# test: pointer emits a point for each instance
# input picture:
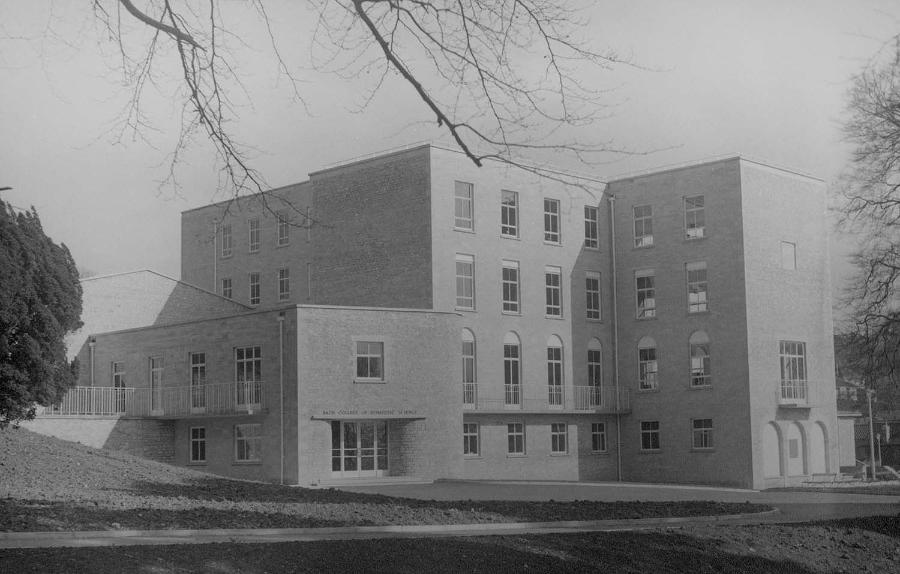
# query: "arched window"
(555, 370)
(595, 372)
(647, 366)
(700, 373)
(512, 369)
(469, 376)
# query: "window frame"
(705, 434)
(598, 435)
(701, 305)
(591, 227)
(227, 249)
(645, 294)
(255, 289)
(794, 369)
(593, 312)
(465, 281)
(644, 222)
(469, 353)
(463, 222)
(471, 440)
(227, 288)
(251, 440)
(559, 439)
(553, 294)
(700, 377)
(552, 221)
(284, 284)
(648, 356)
(515, 439)
(555, 373)
(509, 287)
(368, 356)
(283, 229)
(691, 215)
(509, 226)
(793, 255)
(253, 235)
(197, 454)
(512, 369)
(650, 430)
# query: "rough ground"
(50, 484)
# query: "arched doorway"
(796, 451)
(771, 451)
(818, 458)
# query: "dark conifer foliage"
(40, 301)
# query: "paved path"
(791, 507)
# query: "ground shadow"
(886, 525)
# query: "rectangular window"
(598, 437)
(369, 361)
(515, 438)
(591, 227)
(551, 221)
(198, 381)
(645, 286)
(701, 433)
(553, 289)
(510, 285)
(464, 206)
(254, 288)
(471, 439)
(647, 368)
(253, 227)
(465, 281)
(643, 226)
(198, 444)
(118, 375)
(649, 435)
(226, 287)
(559, 438)
(284, 284)
(700, 368)
(511, 373)
(248, 443)
(788, 255)
(694, 217)
(555, 375)
(470, 390)
(227, 244)
(156, 382)
(592, 292)
(595, 369)
(792, 356)
(284, 229)
(248, 376)
(697, 289)
(509, 213)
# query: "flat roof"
(708, 161)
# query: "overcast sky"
(766, 79)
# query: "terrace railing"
(589, 399)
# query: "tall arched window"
(595, 372)
(469, 375)
(555, 370)
(700, 373)
(647, 366)
(512, 369)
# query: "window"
(469, 379)
(694, 217)
(226, 287)
(118, 375)
(198, 381)
(254, 288)
(696, 287)
(509, 213)
(284, 284)
(515, 438)
(463, 206)
(226, 240)
(788, 255)
(512, 369)
(248, 443)
(553, 289)
(284, 229)
(792, 355)
(595, 372)
(645, 286)
(559, 438)
(598, 437)
(253, 226)
(248, 376)
(471, 439)
(551, 221)
(591, 227)
(700, 375)
(156, 381)
(554, 371)
(465, 281)
(649, 435)
(198, 444)
(592, 292)
(510, 286)
(369, 361)
(647, 366)
(701, 434)
(643, 226)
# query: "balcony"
(795, 394)
(577, 399)
(238, 398)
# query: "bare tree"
(508, 80)
(871, 208)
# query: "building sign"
(369, 413)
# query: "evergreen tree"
(40, 301)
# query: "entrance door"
(359, 448)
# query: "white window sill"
(559, 454)
(369, 381)
(700, 387)
(247, 462)
(651, 451)
(557, 317)
(466, 309)
(553, 243)
(600, 452)
(703, 450)
(513, 313)
(514, 237)
(515, 455)
(464, 230)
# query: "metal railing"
(470, 395)
(794, 393)
(241, 397)
(594, 399)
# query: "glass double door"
(359, 448)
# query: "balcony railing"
(796, 394)
(588, 399)
(242, 397)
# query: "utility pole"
(869, 393)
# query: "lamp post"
(869, 393)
